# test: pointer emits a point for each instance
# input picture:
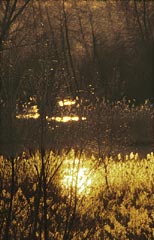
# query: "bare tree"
(10, 11)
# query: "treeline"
(69, 47)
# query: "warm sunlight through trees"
(76, 120)
(77, 193)
(77, 176)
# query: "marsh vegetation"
(76, 120)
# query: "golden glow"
(76, 177)
(32, 112)
(75, 118)
(85, 178)
(83, 118)
(66, 102)
(64, 119)
(27, 116)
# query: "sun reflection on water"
(32, 112)
(66, 102)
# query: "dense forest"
(77, 84)
(88, 51)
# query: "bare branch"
(11, 13)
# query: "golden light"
(83, 118)
(32, 112)
(77, 178)
(75, 118)
(64, 119)
(66, 102)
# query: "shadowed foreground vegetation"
(110, 199)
